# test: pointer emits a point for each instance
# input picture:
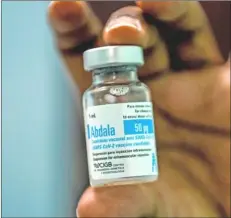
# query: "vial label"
(121, 140)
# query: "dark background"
(218, 13)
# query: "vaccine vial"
(118, 116)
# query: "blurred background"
(44, 168)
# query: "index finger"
(186, 15)
(76, 28)
(186, 31)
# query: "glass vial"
(118, 116)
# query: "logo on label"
(101, 131)
(103, 165)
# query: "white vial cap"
(112, 56)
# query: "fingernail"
(123, 21)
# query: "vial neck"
(115, 75)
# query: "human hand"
(190, 85)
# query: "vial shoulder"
(139, 86)
(144, 86)
(116, 93)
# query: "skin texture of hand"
(190, 85)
